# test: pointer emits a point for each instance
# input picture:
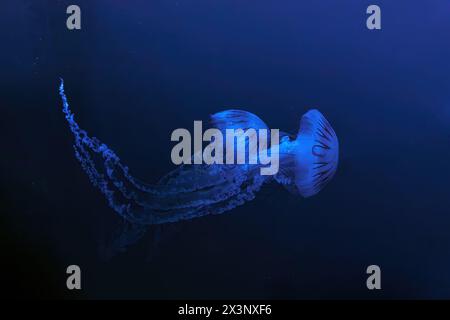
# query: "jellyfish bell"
(308, 160)
(317, 153)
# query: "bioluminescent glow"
(307, 162)
(239, 145)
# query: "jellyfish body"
(307, 164)
(310, 160)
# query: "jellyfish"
(307, 162)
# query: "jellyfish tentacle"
(227, 184)
(246, 193)
(184, 193)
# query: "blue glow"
(307, 164)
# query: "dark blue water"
(139, 69)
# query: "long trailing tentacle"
(187, 192)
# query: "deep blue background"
(139, 69)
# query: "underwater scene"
(198, 149)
